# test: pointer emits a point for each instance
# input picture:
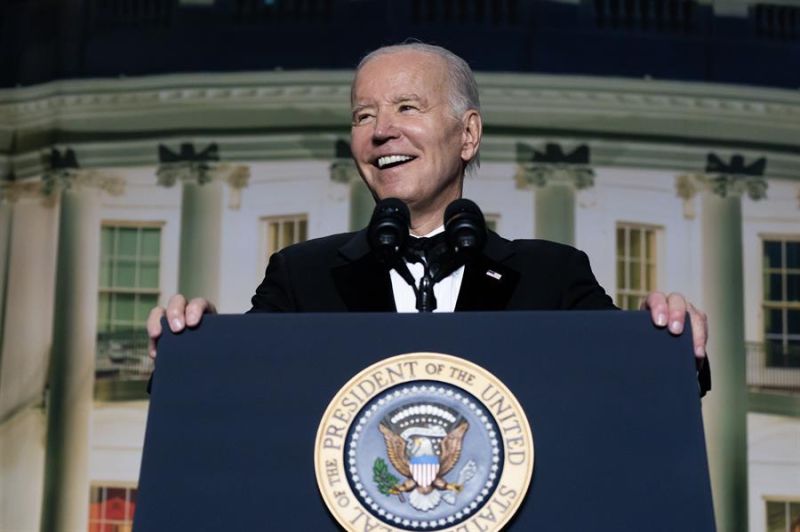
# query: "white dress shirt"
(446, 290)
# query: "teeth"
(392, 159)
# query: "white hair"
(463, 89)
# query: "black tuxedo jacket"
(339, 274)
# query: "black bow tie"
(427, 249)
(435, 253)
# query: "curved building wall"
(638, 154)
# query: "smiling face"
(406, 141)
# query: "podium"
(612, 403)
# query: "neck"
(421, 225)
(426, 218)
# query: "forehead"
(385, 77)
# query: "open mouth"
(390, 161)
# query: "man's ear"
(471, 134)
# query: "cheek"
(359, 141)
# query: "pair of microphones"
(388, 235)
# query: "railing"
(131, 13)
(659, 15)
(250, 11)
(777, 22)
(123, 356)
(764, 370)
(496, 12)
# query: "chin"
(398, 192)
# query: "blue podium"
(612, 403)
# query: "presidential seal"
(424, 441)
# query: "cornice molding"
(320, 146)
(236, 176)
(531, 175)
(722, 185)
(11, 192)
(57, 181)
(687, 186)
(301, 114)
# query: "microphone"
(387, 232)
(465, 228)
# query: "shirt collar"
(435, 232)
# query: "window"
(282, 231)
(111, 508)
(782, 302)
(636, 264)
(783, 516)
(130, 259)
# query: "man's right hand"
(180, 315)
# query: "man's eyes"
(362, 117)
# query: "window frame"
(784, 304)
(101, 522)
(114, 324)
(623, 294)
(787, 503)
(267, 246)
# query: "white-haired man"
(416, 131)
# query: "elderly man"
(416, 130)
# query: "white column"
(554, 187)
(202, 208)
(5, 237)
(72, 364)
(725, 407)
(30, 225)
(361, 201)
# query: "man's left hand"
(670, 311)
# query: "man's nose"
(385, 128)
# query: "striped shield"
(424, 469)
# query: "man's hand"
(670, 311)
(180, 315)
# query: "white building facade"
(127, 191)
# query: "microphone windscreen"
(462, 205)
(387, 232)
(392, 208)
(464, 226)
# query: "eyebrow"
(407, 97)
(411, 97)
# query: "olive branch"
(384, 479)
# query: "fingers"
(667, 310)
(670, 310)
(176, 313)
(173, 312)
(699, 331)
(195, 310)
(656, 303)
(154, 329)
(677, 312)
(180, 315)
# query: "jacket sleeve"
(581, 291)
(275, 294)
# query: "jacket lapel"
(488, 284)
(363, 282)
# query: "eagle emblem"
(423, 443)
